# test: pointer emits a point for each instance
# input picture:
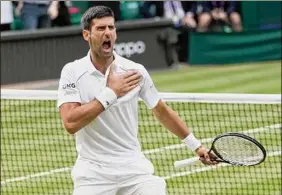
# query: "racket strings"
(238, 150)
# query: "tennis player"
(98, 100)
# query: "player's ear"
(86, 34)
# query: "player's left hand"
(206, 157)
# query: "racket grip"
(186, 162)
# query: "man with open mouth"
(98, 101)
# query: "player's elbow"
(71, 128)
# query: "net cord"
(168, 97)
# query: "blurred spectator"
(169, 38)
(157, 6)
(63, 17)
(174, 10)
(220, 13)
(37, 14)
(7, 17)
(182, 13)
(189, 19)
(114, 5)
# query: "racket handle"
(186, 162)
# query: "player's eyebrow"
(104, 25)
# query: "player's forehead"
(104, 21)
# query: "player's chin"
(106, 53)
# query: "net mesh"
(37, 154)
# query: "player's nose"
(107, 36)
(107, 31)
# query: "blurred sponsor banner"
(142, 46)
(40, 55)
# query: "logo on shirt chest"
(68, 86)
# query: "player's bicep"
(65, 111)
(160, 109)
(66, 108)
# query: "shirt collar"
(91, 68)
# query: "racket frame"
(221, 159)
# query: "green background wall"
(224, 48)
(261, 14)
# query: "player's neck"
(101, 64)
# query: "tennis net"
(37, 154)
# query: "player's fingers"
(205, 159)
(212, 157)
(129, 74)
(129, 88)
(207, 156)
(133, 77)
(134, 82)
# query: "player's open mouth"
(106, 45)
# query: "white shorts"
(132, 179)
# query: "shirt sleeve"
(148, 93)
(68, 89)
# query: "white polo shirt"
(112, 137)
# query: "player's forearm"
(81, 116)
(171, 120)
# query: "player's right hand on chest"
(122, 83)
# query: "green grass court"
(261, 77)
(37, 154)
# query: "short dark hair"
(95, 12)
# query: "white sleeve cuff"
(107, 97)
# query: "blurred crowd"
(201, 16)
(35, 14)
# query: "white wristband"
(107, 97)
(191, 142)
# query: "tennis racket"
(233, 148)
